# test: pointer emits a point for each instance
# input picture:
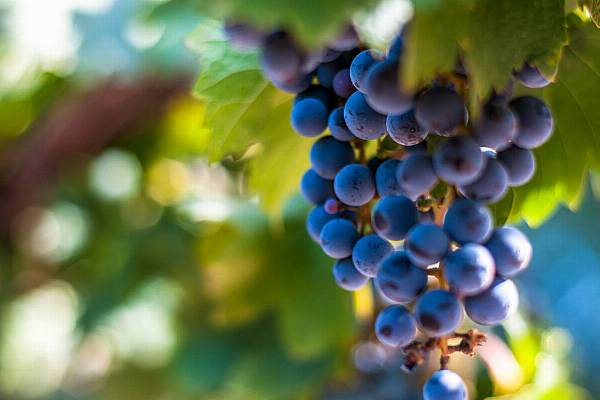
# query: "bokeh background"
(131, 267)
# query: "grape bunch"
(401, 185)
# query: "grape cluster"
(413, 216)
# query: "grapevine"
(413, 216)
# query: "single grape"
(440, 110)
(383, 89)
(364, 122)
(368, 253)
(354, 185)
(385, 178)
(338, 237)
(530, 76)
(395, 50)
(280, 57)
(243, 37)
(399, 280)
(326, 73)
(511, 250)
(458, 160)
(361, 65)
(438, 313)
(393, 217)
(296, 85)
(415, 175)
(426, 244)
(329, 155)
(342, 85)
(495, 304)
(316, 220)
(404, 129)
(469, 270)
(338, 127)
(534, 122)
(331, 206)
(347, 40)
(519, 164)
(495, 127)
(309, 117)
(490, 186)
(467, 221)
(317, 92)
(445, 385)
(395, 326)
(347, 276)
(314, 188)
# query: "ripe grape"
(317, 92)
(511, 250)
(445, 385)
(342, 85)
(426, 244)
(495, 127)
(364, 122)
(338, 237)
(331, 206)
(385, 178)
(519, 164)
(438, 313)
(495, 304)
(326, 72)
(395, 326)
(440, 110)
(309, 117)
(347, 276)
(393, 217)
(458, 160)
(316, 220)
(243, 37)
(361, 65)
(337, 125)
(399, 280)
(354, 185)
(534, 122)
(280, 58)
(530, 76)
(467, 221)
(368, 253)
(490, 186)
(314, 188)
(328, 155)
(347, 40)
(415, 175)
(383, 89)
(404, 129)
(469, 270)
(296, 85)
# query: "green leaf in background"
(563, 162)
(593, 7)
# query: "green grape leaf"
(574, 148)
(593, 7)
(312, 23)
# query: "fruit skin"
(404, 129)
(338, 237)
(395, 326)
(495, 304)
(347, 276)
(440, 110)
(445, 385)
(534, 121)
(383, 89)
(415, 175)
(309, 117)
(438, 313)
(329, 155)
(495, 127)
(426, 244)
(491, 185)
(337, 125)
(364, 122)
(530, 76)
(511, 250)
(467, 221)
(361, 65)
(314, 188)
(296, 85)
(280, 58)
(317, 92)
(458, 160)
(393, 216)
(399, 280)
(368, 253)
(385, 178)
(342, 85)
(469, 270)
(316, 220)
(354, 185)
(519, 164)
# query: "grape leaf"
(593, 7)
(563, 162)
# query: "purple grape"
(399, 280)
(440, 110)
(534, 122)
(458, 160)
(519, 164)
(347, 40)
(467, 221)
(490, 186)
(342, 85)
(354, 185)
(495, 127)
(329, 155)
(438, 313)
(393, 217)
(361, 65)
(426, 244)
(309, 117)
(415, 175)
(281, 59)
(395, 326)
(385, 178)
(338, 127)
(314, 188)
(242, 36)
(404, 129)
(469, 270)
(495, 304)
(297, 85)
(316, 220)
(364, 122)
(347, 276)
(383, 89)
(368, 253)
(317, 92)
(511, 250)
(530, 76)
(338, 237)
(444, 385)
(331, 206)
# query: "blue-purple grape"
(467, 221)
(314, 188)
(445, 385)
(404, 129)
(383, 90)
(530, 76)
(511, 250)
(490, 186)
(368, 253)
(331, 206)
(329, 155)
(395, 326)
(316, 220)
(296, 85)
(337, 125)
(393, 217)
(317, 92)
(438, 313)
(399, 280)
(458, 160)
(242, 36)
(495, 304)
(469, 270)
(534, 121)
(309, 117)
(338, 237)
(415, 175)
(495, 127)
(519, 164)
(347, 276)
(342, 85)
(281, 59)
(440, 110)
(385, 178)
(364, 122)
(361, 65)
(354, 185)
(426, 244)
